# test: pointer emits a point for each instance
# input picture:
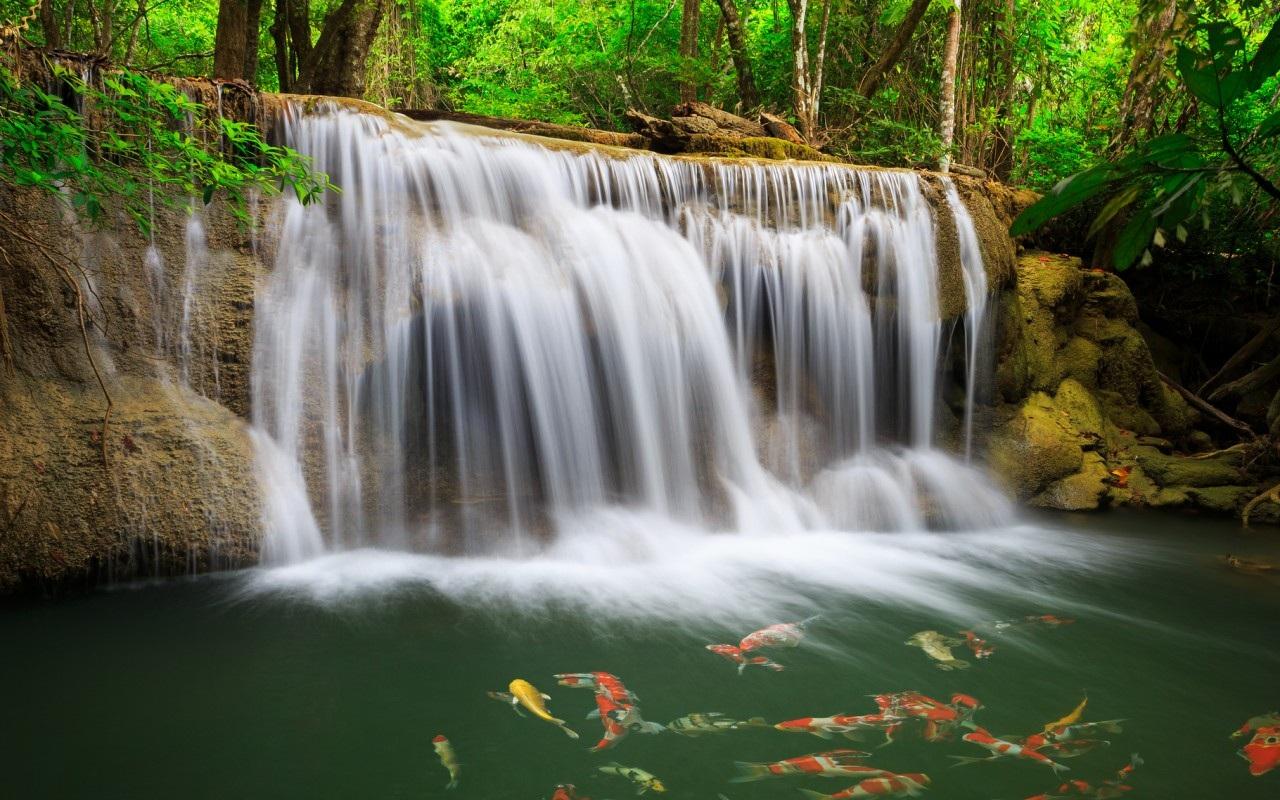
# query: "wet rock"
(1172, 470)
(1035, 446)
(1082, 491)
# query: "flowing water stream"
(522, 411)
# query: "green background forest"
(1042, 90)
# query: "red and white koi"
(977, 645)
(1107, 790)
(831, 764)
(736, 655)
(784, 634)
(567, 791)
(851, 726)
(616, 706)
(1002, 748)
(909, 784)
(1263, 750)
(938, 719)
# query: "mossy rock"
(1172, 470)
(1082, 491)
(1109, 295)
(1125, 415)
(1221, 499)
(1079, 361)
(1035, 446)
(1052, 282)
(1081, 408)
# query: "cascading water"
(484, 346)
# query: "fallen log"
(572, 133)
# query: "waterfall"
(482, 342)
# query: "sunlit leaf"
(1068, 194)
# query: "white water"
(484, 347)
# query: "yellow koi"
(522, 693)
(1069, 719)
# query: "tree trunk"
(253, 21)
(800, 94)
(229, 41)
(1002, 144)
(689, 50)
(49, 24)
(748, 95)
(947, 128)
(875, 76)
(338, 62)
(1153, 45)
(280, 36)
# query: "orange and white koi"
(567, 791)
(616, 706)
(938, 719)
(977, 645)
(909, 784)
(1263, 750)
(736, 655)
(1002, 748)
(831, 764)
(1107, 790)
(448, 758)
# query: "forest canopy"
(1026, 92)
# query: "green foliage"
(134, 141)
(1166, 182)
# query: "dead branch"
(1254, 380)
(1206, 408)
(1242, 355)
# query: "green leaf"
(1270, 126)
(208, 193)
(1116, 204)
(1225, 40)
(1069, 193)
(1134, 239)
(1266, 62)
(1202, 82)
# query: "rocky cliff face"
(1084, 418)
(172, 489)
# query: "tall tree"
(806, 77)
(748, 94)
(235, 44)
(874, 77)
(689, 49)
(1153, 46)
(950, 54)
(338, 62)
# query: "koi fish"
(1049, 620)
(910, 784)
(735, 654)
(938, 718)
(977, 645)
(1070, 719)
(711, 722)
(644, 781)
(1253, 723)
(1248, 566)
(832, 764)
(567, 791)
(1002, 748)
(847, 725)
(785, 634)
(1084, 730)
(523, 693)
(1263, 750)
(444, 750)
(1107, 790)
(616, 706)
(938, 647)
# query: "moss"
(1081, 408)
(1126, 415)
(1221, 499)
(1035, 446)
(1051, 281)
(1172, 470)
(1082, 491)
(1079, 361)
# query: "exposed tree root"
(1272, 494)
(14, 229)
